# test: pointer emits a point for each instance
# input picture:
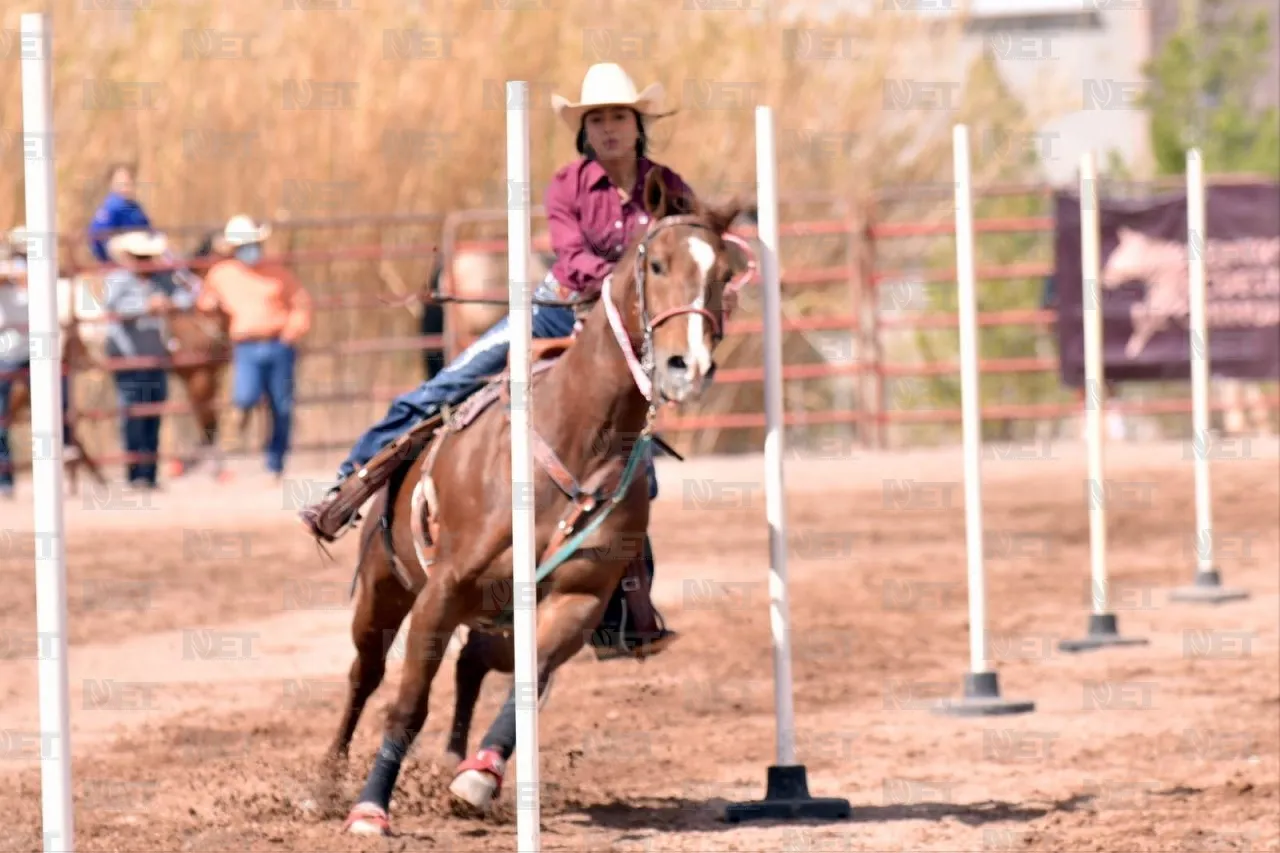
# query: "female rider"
(594, 206)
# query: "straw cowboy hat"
(606, 85)
(141, 244)
(241, 230)
(16, 240)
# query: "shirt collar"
(597, 177)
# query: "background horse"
(74, 356)
(201, 347)
(684, 268)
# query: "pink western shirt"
(590, 226)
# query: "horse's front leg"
(564, 622)
(436, 614)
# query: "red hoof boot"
(479, 779)
(367, 819)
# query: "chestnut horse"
(201, 348)
(664, 301)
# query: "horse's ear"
(655, 194)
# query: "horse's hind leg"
(482, 654)
(563, 625)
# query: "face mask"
(249, 254)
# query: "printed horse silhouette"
(1162, 265)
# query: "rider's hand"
(159, 303)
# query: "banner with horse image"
(1145, 285)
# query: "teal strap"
(628, 474)
(568, 548)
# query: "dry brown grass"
(397, 106)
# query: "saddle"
(356, 490)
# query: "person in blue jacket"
(119, 210)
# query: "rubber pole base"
(1102, 633)
(982, 699)
(787, 798)
(1207, 588)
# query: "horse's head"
(680, 268)
(1129, 260)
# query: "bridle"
(642, 369)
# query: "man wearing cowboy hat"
(140, 301)
(594, 208)
(15, 349)
(270, 311)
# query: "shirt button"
(618, 224)
(644, 220)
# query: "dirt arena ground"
(1168, 747)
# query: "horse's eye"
(656, 267)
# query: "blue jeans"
(267, 367)
(6, 389)
(141, 433)
(466, 375)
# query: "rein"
(642, 373)
(642, 368)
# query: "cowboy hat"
(141, 244)
(241, 230)
(17, 239)
(606, 85)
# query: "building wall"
(1084, 66)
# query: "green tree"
(993, 113)
(1203, 92)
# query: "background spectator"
(270, 312)
(119, 210)
(140, 332)
(15, 349)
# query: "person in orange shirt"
(270, 312)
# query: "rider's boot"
(632, 627)
(338, 510)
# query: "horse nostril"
(677, 363)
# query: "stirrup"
(617, 643)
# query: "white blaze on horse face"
(705, 257)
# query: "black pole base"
(1102, 633)
(787, 798)
(982, 699)
(1207, 588)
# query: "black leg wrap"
(382, 777)
(502, 734)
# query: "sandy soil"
(1172, 746)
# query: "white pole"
(774, 487)
(525, 599)
(970, 403)
(46, 430)
(1095, 388)
(1197, 245)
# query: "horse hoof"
(479, 780)
(367, 819)
(475, 788)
